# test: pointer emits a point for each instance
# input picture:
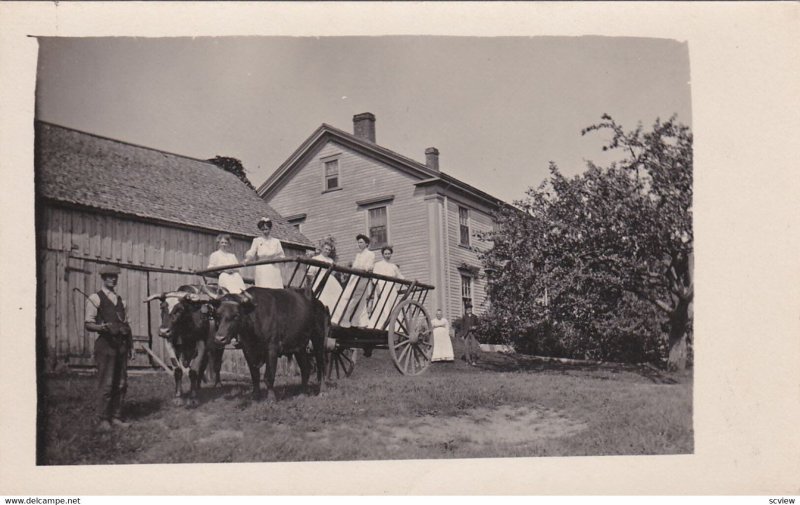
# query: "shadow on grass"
(242, 392)
(139, 409)
(521, 363)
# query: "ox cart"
(368, 311)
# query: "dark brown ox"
(188, 326)
(271, 323)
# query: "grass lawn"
(507, 406)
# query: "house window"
(463, 226)
(378, 227)
(331, 175)
(466, 290)
(296, 221)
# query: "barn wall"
(153, 258)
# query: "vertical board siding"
(61, 304)
(47, 306)
(116, 245)
(93, 248)
(78, 242)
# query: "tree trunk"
(678, 326)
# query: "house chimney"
(364, 126)
(432, 158)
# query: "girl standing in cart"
(365, 260)
(228, 279)
(266, 248)
(385, 291)
(332, 289)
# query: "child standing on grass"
(467, 333)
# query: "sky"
(499, 109)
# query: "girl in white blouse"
(228, 279)
(265, 248)
(365, 260)
(385, 291)
(332, 289)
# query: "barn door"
(133, 283)
(80, 343)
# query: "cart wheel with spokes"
(339, 362)
(410, 337)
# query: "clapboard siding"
(336, 212)
(417, 226)
(458, 255)
(75, 243)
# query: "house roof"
(87, 170)
(327, 132)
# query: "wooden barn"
(154, 214)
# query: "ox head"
(184, 311)
(230, 310)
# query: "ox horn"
(153, 297)
(176, 294)
(211, 294)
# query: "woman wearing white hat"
(266, 248)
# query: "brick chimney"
(432, 158)
(364, 126)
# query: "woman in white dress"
(228, 279)
(332, 289)
(385, 291)
(442, 346)
(365, 260)
(266, 248)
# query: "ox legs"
(214, 355)
(194, 380)
(269, 373)
(305, 368)
(255, 376)
(196, 369)
(215, 363)
(178, 374)
(319, 358)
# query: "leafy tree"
(601, 264)
(233, 166)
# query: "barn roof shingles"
(88, 170)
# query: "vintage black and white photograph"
(418, 248)
(255, 249)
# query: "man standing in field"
(105, 315)
(467, 333)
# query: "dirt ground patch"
(505, 425)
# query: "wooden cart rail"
(314, 263)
